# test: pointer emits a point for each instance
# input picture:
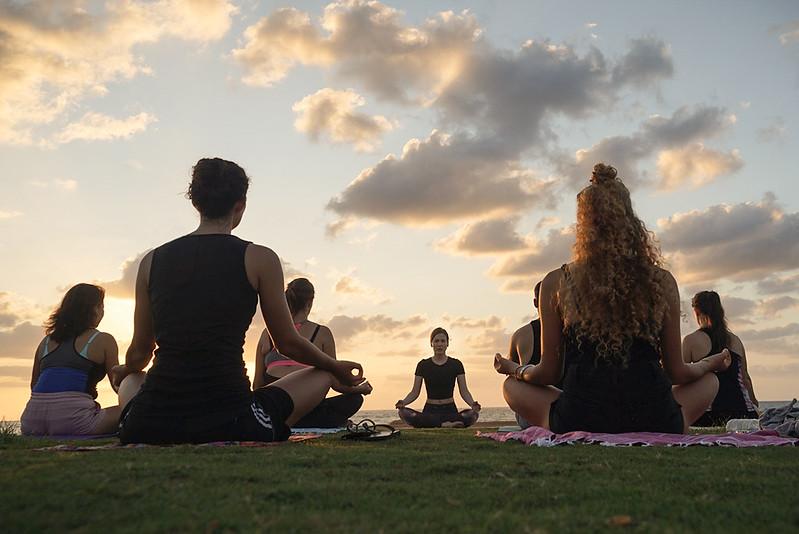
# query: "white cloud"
(55, 54)
(333, 113)
(98, 127)
(125, 286)
(9, 214)
(776, 284)
(695, 165)
(789, 32)
(351, 285)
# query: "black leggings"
(434, 415)
(332, 412)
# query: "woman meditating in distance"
(736, 396)
(439, 374)
(195, 298)
(67, 366)
(614, 313)
(270, 365)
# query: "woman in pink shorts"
(67, 366)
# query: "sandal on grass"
(367, 430)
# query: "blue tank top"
(65, 369)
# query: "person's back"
(202, 305)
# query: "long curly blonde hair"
(614, 292)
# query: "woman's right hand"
(720, 361)
(118, 374)
(504, 366)
(343, 371)
(400, 404)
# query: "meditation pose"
(525, 345)
(614, 314)
(67, 366)
(439, 373)
(195, 299)
(270, 365)
(736, 396)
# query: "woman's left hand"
(476, 406)
(504, 366)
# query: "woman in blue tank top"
(195, 299)
(68, 364)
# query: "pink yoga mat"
(541, 437)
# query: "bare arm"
(745, 370)
(327, 341)
(140, 351)
(550, 369)
(678, 370)
(111, 357)
(414, 394)
(266, 276)
(513, 353)
(260, 350)
(465, 394)
(35, 372)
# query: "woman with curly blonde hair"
(613, 313)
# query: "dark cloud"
(125, 286)
(772, 307)
(484, 237)
(774, 285)
(776, 332)
(648, 61)
(20, 341)
(345, 327)
(544, 256)
(739, 242)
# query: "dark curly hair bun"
(216, 185)
(603, 173)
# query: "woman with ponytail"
(736, 396)
(271, 365)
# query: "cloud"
(686, 126)
(20, 341)
(542, 257)
(332, 113)
(65, 184)
(9, 214)
(365, 41)
(776, 131)
(484, 237)
(788, 330)
(125, 286)
(695, 165)
(772, 307)
(490, 322)
(351, 285)
(647, 62)
(345, 327)
(98, 127)
(15, 310)
(740, 242)
(774, 284)
(56, 54)
(788, 33)
(490, 341)
(442, 179)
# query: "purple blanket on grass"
(541, 437)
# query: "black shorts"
(264, 419)
(720, 417)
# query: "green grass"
(424, 481)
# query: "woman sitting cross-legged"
(195, 299)
(614, 314)
(270, 365)
(67, 366)
(736, 396)
(439, 373)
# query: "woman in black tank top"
(195, 298)
(614, 314)
(736, 396)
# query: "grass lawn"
(422, 481)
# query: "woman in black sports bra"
(736, 396)
(270, 365)
(614, 314)
(439, 374)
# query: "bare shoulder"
(261, 253)
(552, 279)
(736, 345)
(106, 339)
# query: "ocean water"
(496, 413)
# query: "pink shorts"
(60, 414)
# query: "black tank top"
(202, 305)
(732, 395)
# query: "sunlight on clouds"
(9, 214)
(695, 166)
(96, 126)
(332, 113)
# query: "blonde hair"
(614, 291)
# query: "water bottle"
(743, 425)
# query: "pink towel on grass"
(541, 437)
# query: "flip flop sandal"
(367, 430)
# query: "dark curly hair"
(216, 185)
(76, 314)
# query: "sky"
(417, 161)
